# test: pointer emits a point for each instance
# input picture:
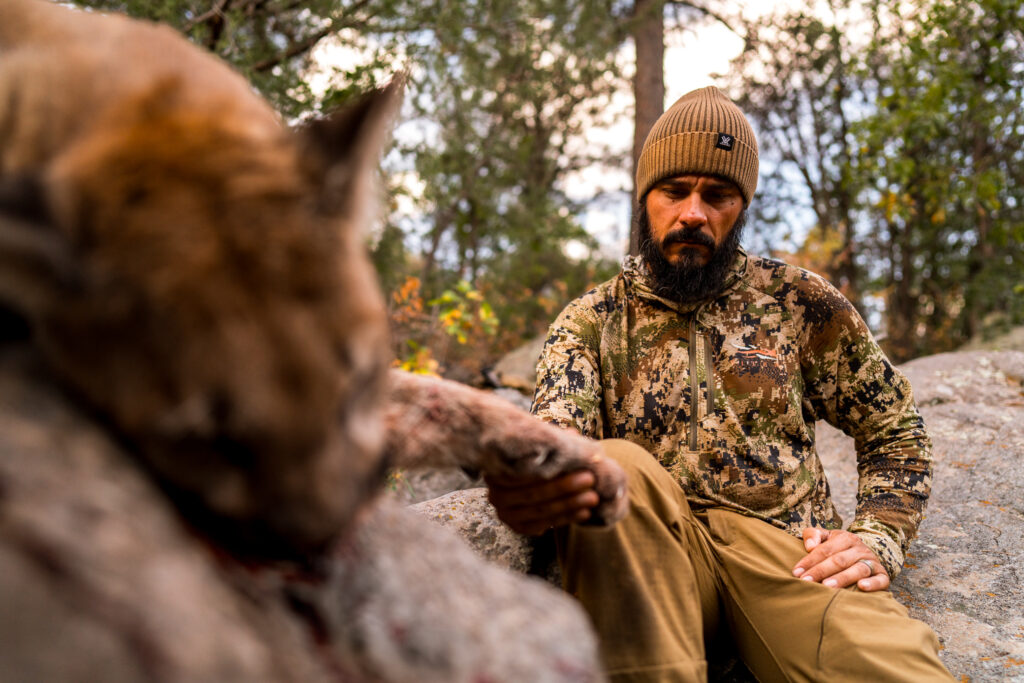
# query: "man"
(705, 369)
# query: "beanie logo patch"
(725, 141)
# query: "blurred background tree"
(943, 150)
(897, 127)
(272, 41)
(502, 93)
(890, 132)
(797, 82)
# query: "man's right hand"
(532, 506)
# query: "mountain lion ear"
(341, 151)
(35, 258)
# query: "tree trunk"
(902, 309)
(648, 81)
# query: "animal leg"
(439, 423)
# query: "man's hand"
(834, 559)
(532, 506)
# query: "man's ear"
(341, 151)
(36, 266)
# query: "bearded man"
(704, 369)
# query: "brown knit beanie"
(703, 132)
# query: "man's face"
(691, 215)
(690, 229)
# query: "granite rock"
(410, 602)
(411, 486)
(469, 514)
(518, 368)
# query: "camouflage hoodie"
(726, 392)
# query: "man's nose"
(691, 213)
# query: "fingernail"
(807, 577)
(798, 571)
(812, 543)
(831, 583)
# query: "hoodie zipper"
(694, 383)
(709, 369)
(709, 372)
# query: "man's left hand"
(834, 559)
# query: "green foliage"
(271, 41)
(944, 150)
(909, 148)
(447, 329)
(391, 258)
(501, 98)
(797, 85)
(397, 479)
(462, 309)
(504, 94)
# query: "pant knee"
(647, 478)
(871, 635)
(629, 455)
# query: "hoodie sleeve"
(568, 389)
(851, 384)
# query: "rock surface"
(518, 369)
(1010, 340)
(411, 602)
(100, 579)
(470, 515)
(420, 485)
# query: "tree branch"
(294, 50)
(705, 11)
(307, 44)
(216, 11)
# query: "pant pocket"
(719, 526)
(825, 632)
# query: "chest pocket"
(757, 378)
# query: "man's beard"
(688, 281)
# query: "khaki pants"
(660, 584)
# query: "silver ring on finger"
(870, 565)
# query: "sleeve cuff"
(878, 538)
